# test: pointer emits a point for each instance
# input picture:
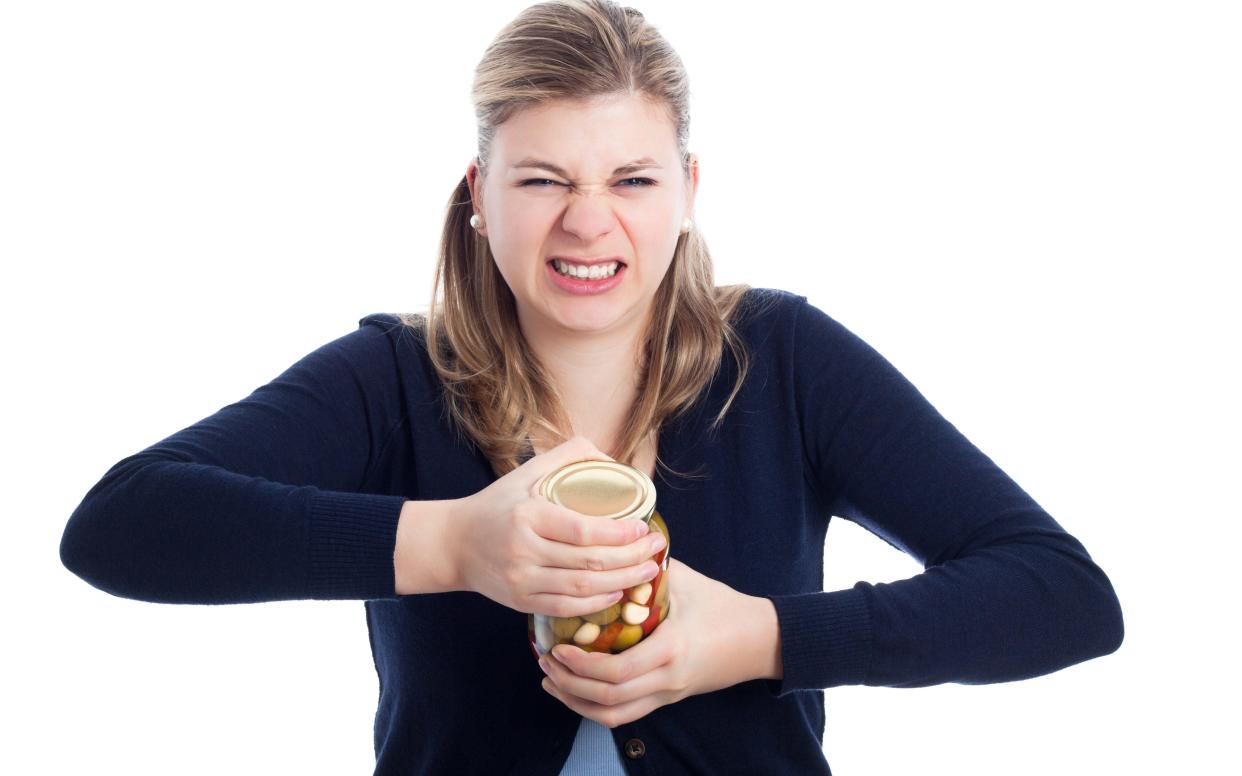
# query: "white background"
(1032, 209)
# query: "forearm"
(165, 530)
(422, 562)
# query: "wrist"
(764, 654)
(423, 558)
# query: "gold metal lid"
(603, 488)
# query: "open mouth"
(606, 277)
(584, 273)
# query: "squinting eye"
(539, 183)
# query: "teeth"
(583, 273)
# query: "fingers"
(561, 524)
(640, 660)
(581, 583)
(575, 592)
(555, 605)
(603, 693)
(600, 557)
(608, 716)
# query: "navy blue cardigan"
(294, 492)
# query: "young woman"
(575, 317)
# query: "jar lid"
(602, 488)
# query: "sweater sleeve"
(1006, 593)
(259, 501)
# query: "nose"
(588, 217)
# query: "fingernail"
(543, 663)
(642, 530)
(657, 542)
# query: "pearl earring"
(475, 220)
(686, 225)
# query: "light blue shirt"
(594, 752)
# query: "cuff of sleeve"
(352, 539)
(825, 640)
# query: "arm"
(259, 501)
(1006, 593)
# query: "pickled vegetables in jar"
(621, 492)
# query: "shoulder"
(401, 331)
(771, 301)
(763, 306)
(793, 312)
(381, 345)
(392, 323)
(787, 325)
(767, 316)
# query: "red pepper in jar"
(655, 587)
(652, 620)
(607, 635)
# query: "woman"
(397, 465)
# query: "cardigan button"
(635, 748)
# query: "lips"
(585, 287)
(588, 262)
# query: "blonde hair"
(496, 391)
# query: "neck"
(596, 374)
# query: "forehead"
(588, 134)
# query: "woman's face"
(584, 180)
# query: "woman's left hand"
(714, 637)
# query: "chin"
(588, 314)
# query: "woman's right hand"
(525, 552)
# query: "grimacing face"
(585, 179)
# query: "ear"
(692, 189)
(476, 192)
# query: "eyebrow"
(634, 166)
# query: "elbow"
(1076, 614)
(94, 545)
(1089, 594)
(1083, 610)
(82, 554)
(1090, 612)
(1108, 610)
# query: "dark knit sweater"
(294, 492)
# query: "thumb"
(572, 450)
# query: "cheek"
(524, 227)
(514, 235)
(657, 237)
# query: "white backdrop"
(1031, 209)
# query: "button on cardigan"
(294, 492)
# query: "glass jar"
(620, 492)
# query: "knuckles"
(581, 584)
(609, 696)
(515, 578)
(626, 671)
